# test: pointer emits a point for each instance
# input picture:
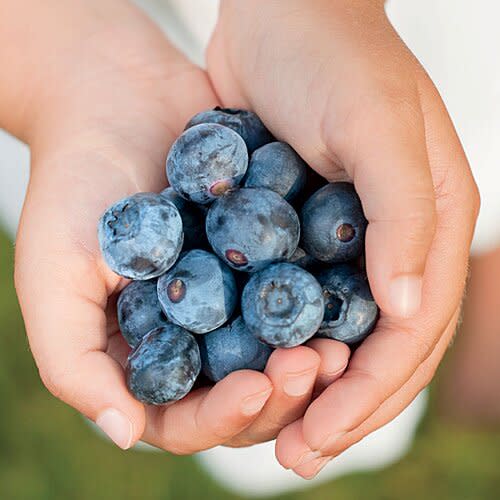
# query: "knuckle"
(222, 432)
(475, 200)
(179, 449)
(421, 345)
(52, 381)
(368, 379)
(245, 440)
(400, 104)
(62, 383)
(175, 443)
(428, 377)
(420, 221)
(239, 442)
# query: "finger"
(292, 373)
(293, 452)
(312, 469)
(118, 349)
(378, 369)
(390, 356)
(401, 214)
(402, 398)
(209, 417)
(62, 282)
(372, 128)
(67, 334)
(291, 449)
(334, 359)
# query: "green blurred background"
(48, 452)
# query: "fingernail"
(299, 384)
(406, 295)
(317, 467)
(307, 457)
(253, 404)
(117, 427)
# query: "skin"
(367, 112)
(113, 97)
(100, 115)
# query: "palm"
(110, 141)
(358, 105)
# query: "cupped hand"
(335, 81)
(113, 102)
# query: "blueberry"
(333, 223)
(251, 228)
(283, 305)
(193, 219)
(305, 261)
(164, 366)
(350, 311)
(246, 123)
(199, 293)
(139, 311)
(231, 348)
(141, 236)
(276, 166)
(206, 161)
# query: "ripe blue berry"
(139, 311)
(206, 161)
(231, 348)
(199, 293)
(246, 123)
(333, 224)
(305, 261)
(193, 219)
(251, 228)
(283, 305)
(141, 236)
(276, 166)
(350, 311)
(164, 366)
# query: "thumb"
(354, 105)
(391, 173)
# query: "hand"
(335, 81)
(101, 126)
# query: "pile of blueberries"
(219, 278)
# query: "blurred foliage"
(48, 453)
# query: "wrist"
(255, 38)
(259, 8)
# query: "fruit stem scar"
(345, 232)
(236, 257)
(218, 188)
(176, 290)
